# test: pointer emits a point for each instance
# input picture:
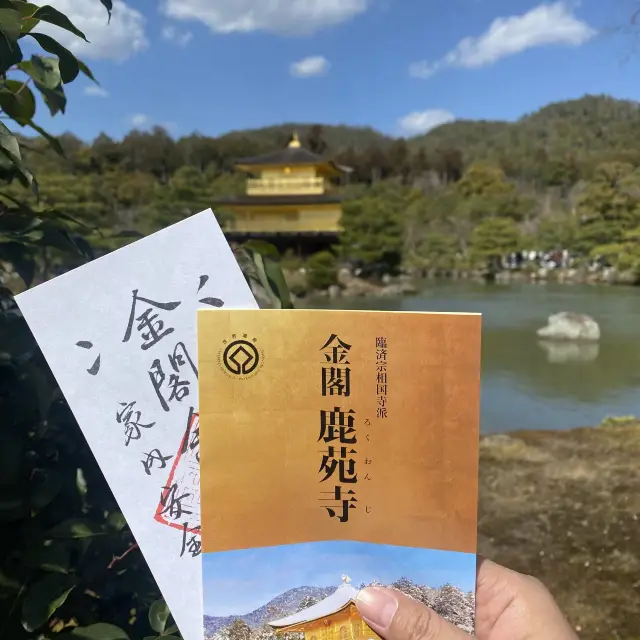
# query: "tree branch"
(117, 559)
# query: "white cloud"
(311, 66)
(96, 91)
(172, 34)
(283, 17)
(117, 40)
(139, 120)
(546, 24)
(423, 69)
(423, 121)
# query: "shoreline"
(564, 506)
(351, 286)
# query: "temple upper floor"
(293, 171)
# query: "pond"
(527, 383)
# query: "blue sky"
(401, 66)
(238, 582)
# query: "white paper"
(105, 358)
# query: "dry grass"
(565, 507)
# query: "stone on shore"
(354, 286)
(570, 326)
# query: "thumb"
(394, 616)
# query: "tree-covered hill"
(463, 195)
(336, 137)
(474, 136)
(592, 126)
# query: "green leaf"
(14, 222)
(45, 490)
(52, 140)
(270, 274)
(58, 237)
(171, 630)
(108, 5)
(10, 157)
(116, 520)
(86, 71)
(53, 556)
(53, 16)
(26, 9)
(69, 66)
(277, 283)
(81, 483)
(9, 145)
(44, 70)
(43, 598)
(10, 53)
(17, 101)
(9, 584)
(12, 509)
(76, 528)
(10, 24)
(262, 247)
(19, 256)
(46, 75)
(100, 631)
(28, 25)
(55, 99)
(158, 615)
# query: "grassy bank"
(565, 507)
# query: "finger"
(394, 616)
(511, 598)
(489, 571)
(492, 578)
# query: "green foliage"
(71, 568)
(492, 239)
(158, 615)
(260, 264)
(609, 206)
(556, 232)
(587, 131)
(624, 254)
(322, 270)
(484, 191)
(373, 230)
(436, 251)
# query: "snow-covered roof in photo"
(337, 601)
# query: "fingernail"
(377, 606)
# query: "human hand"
(509, 606)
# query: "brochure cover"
(338, 449)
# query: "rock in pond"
(570, 326)
(565, 351)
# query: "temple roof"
(344, 595)
(293, 154)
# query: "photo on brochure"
(308, 591)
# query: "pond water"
(529, 384)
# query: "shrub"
(322, 270)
